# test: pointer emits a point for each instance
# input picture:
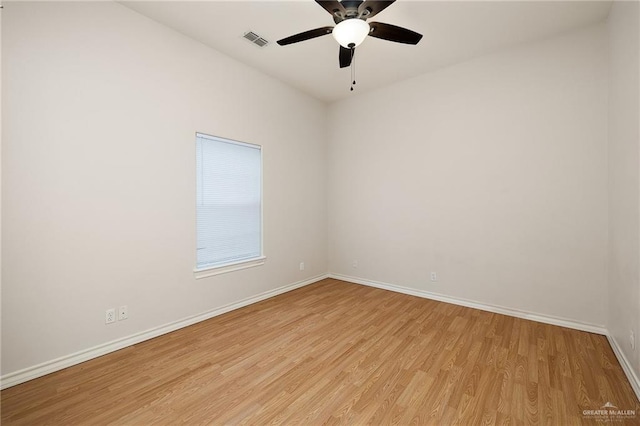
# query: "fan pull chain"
(353, 70)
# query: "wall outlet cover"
(110, 316)
(123, 313)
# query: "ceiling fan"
(352, 27)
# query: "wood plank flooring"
(338, 353)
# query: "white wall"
(493, 173)
(100, 106)
(624, 177)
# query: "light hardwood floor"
(335, 352)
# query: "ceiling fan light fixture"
(351, 32)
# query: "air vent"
(255, 39)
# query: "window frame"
(208, 271)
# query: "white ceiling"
(453, 31)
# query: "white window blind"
(229, 201)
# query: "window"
(228, 204)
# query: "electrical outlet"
(123, 313)
(632, 339)
(302, 266)
(355, 264)
(434, 277)
(110, 316)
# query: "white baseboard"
(518, 313)
(626, 365)
(547, 319)
(48, 367)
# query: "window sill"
(229, 267)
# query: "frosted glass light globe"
(351, 32)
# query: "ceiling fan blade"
(373, 7)
(393, 33)
(332, 6)
(345, 57)
(305, 35)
